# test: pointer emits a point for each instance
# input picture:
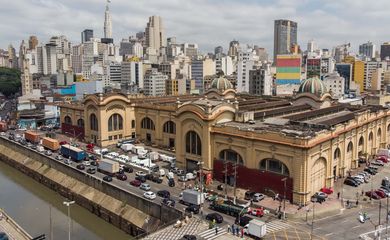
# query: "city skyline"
(316, 21)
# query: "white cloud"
(207, 22)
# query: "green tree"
(9, 81)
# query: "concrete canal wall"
(121, 208)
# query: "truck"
(154, 156)
(3, 126)
(191, 197)
(127, 147)
(50, 143)
(74, 153)
(256, 228)
(137, 149)
(108, 167)
(383, 152)
(31, 137)
(228, 207)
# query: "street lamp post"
(313, 200)
(284, 198)
(387, 214)
(68, 203)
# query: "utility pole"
(313, 200)
(68, 203)
(51, 224)
(225, 162)
(235, 180)
(284, 198)
(380, 208)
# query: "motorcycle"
(363, 217)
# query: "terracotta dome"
(221, 84)
(314, 86)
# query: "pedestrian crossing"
(210, 233)
(275, 226)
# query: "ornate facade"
(306, 140)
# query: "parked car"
(48, 153)
(378, 163)
(182, 178)
(164, 194)
(157, 179)
(140, 173)
(380, 193)
(214, 216)
(258, 212)
(174, 169)
(327, 190)
(80, 166)
(121, 176)
(383, 159)
(59, 157)
(249, 195)
(351, 182)
(150, 195)
(135, 183)
(107, 178)
(91, 170)
(127, 169)
(372, 195)
(171, 182)
(386, 191)
(63, 142)
(320, 197)
(192, 208)
(180, 172)
(140, 178)
(257, 197)
(370, 171)
(145, 186)
(353, 179)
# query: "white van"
(161, 172)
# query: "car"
(157, 179)
(127, 169)
(320, 197)
(192, 208)
(90, 145)
(171, 182)
(249, 195)
(358, 179)
(380, 193)
(140, 178)
(121, 176)
(372, 194)
(354, 179)
(180, 172)
(80, 166)
(140, 173)
(378, 163)
(383, 159)
(370, 171)
(91, 170)
(58, 157)
(107, 178)
(168, 202)
(190, 176)
(164, 194)
(48, 153)
(3, 236)
(258, 212)
(188, 237)
(243, 220)
(87, 163)
(63, 142)
(386, 191)
(149, 176)
(94, 163)
(351, 182)
(214, 216)
(257, 197)
(150, 195)
(145, 186)
(174, 169)
(327, 190)
(135, 183)
(67, 161)
(182, 178)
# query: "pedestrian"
(242, 232)
(362, 192)
(338, 195)
(357, 202)
(216, 230)
(348, 203)
(228, 228)
(233, 228)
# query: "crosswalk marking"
(210, 233)
(276, 226)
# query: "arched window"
(193, 143)
(93, 122)
(361, 141)
(231, 155)
(274, 165)
(133, 123)
(169, 127)
(115, 122)
(388, 128)
(370, 136)
(68, 120)
(147, 123)
(337, 153)
(379, 134)
(80, 122)
(350, 147)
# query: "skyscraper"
(385, 50)
(107, 22)
(32, 42)
(367, 49)
(285, 36)
(233, 48)
(86, 35)
(155, 33)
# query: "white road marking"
(328, 234)
(356, 226)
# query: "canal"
(30, 204)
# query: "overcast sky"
(207, 22)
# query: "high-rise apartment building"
(233, 48)
(244, 65)
(385, 50)
(155, 33)
(197, 74)
(32, 42)
(12, 58)
(334, 83)
(154, 83)
(224, 64)
(77, 58)
(367, 49)
(313, 66)
(190, 49)
(260, 80)
(218, 50)
(131, 75)
(107, 22)
(345, 71)
(288, 69)
(86, 35)
(285, 36)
